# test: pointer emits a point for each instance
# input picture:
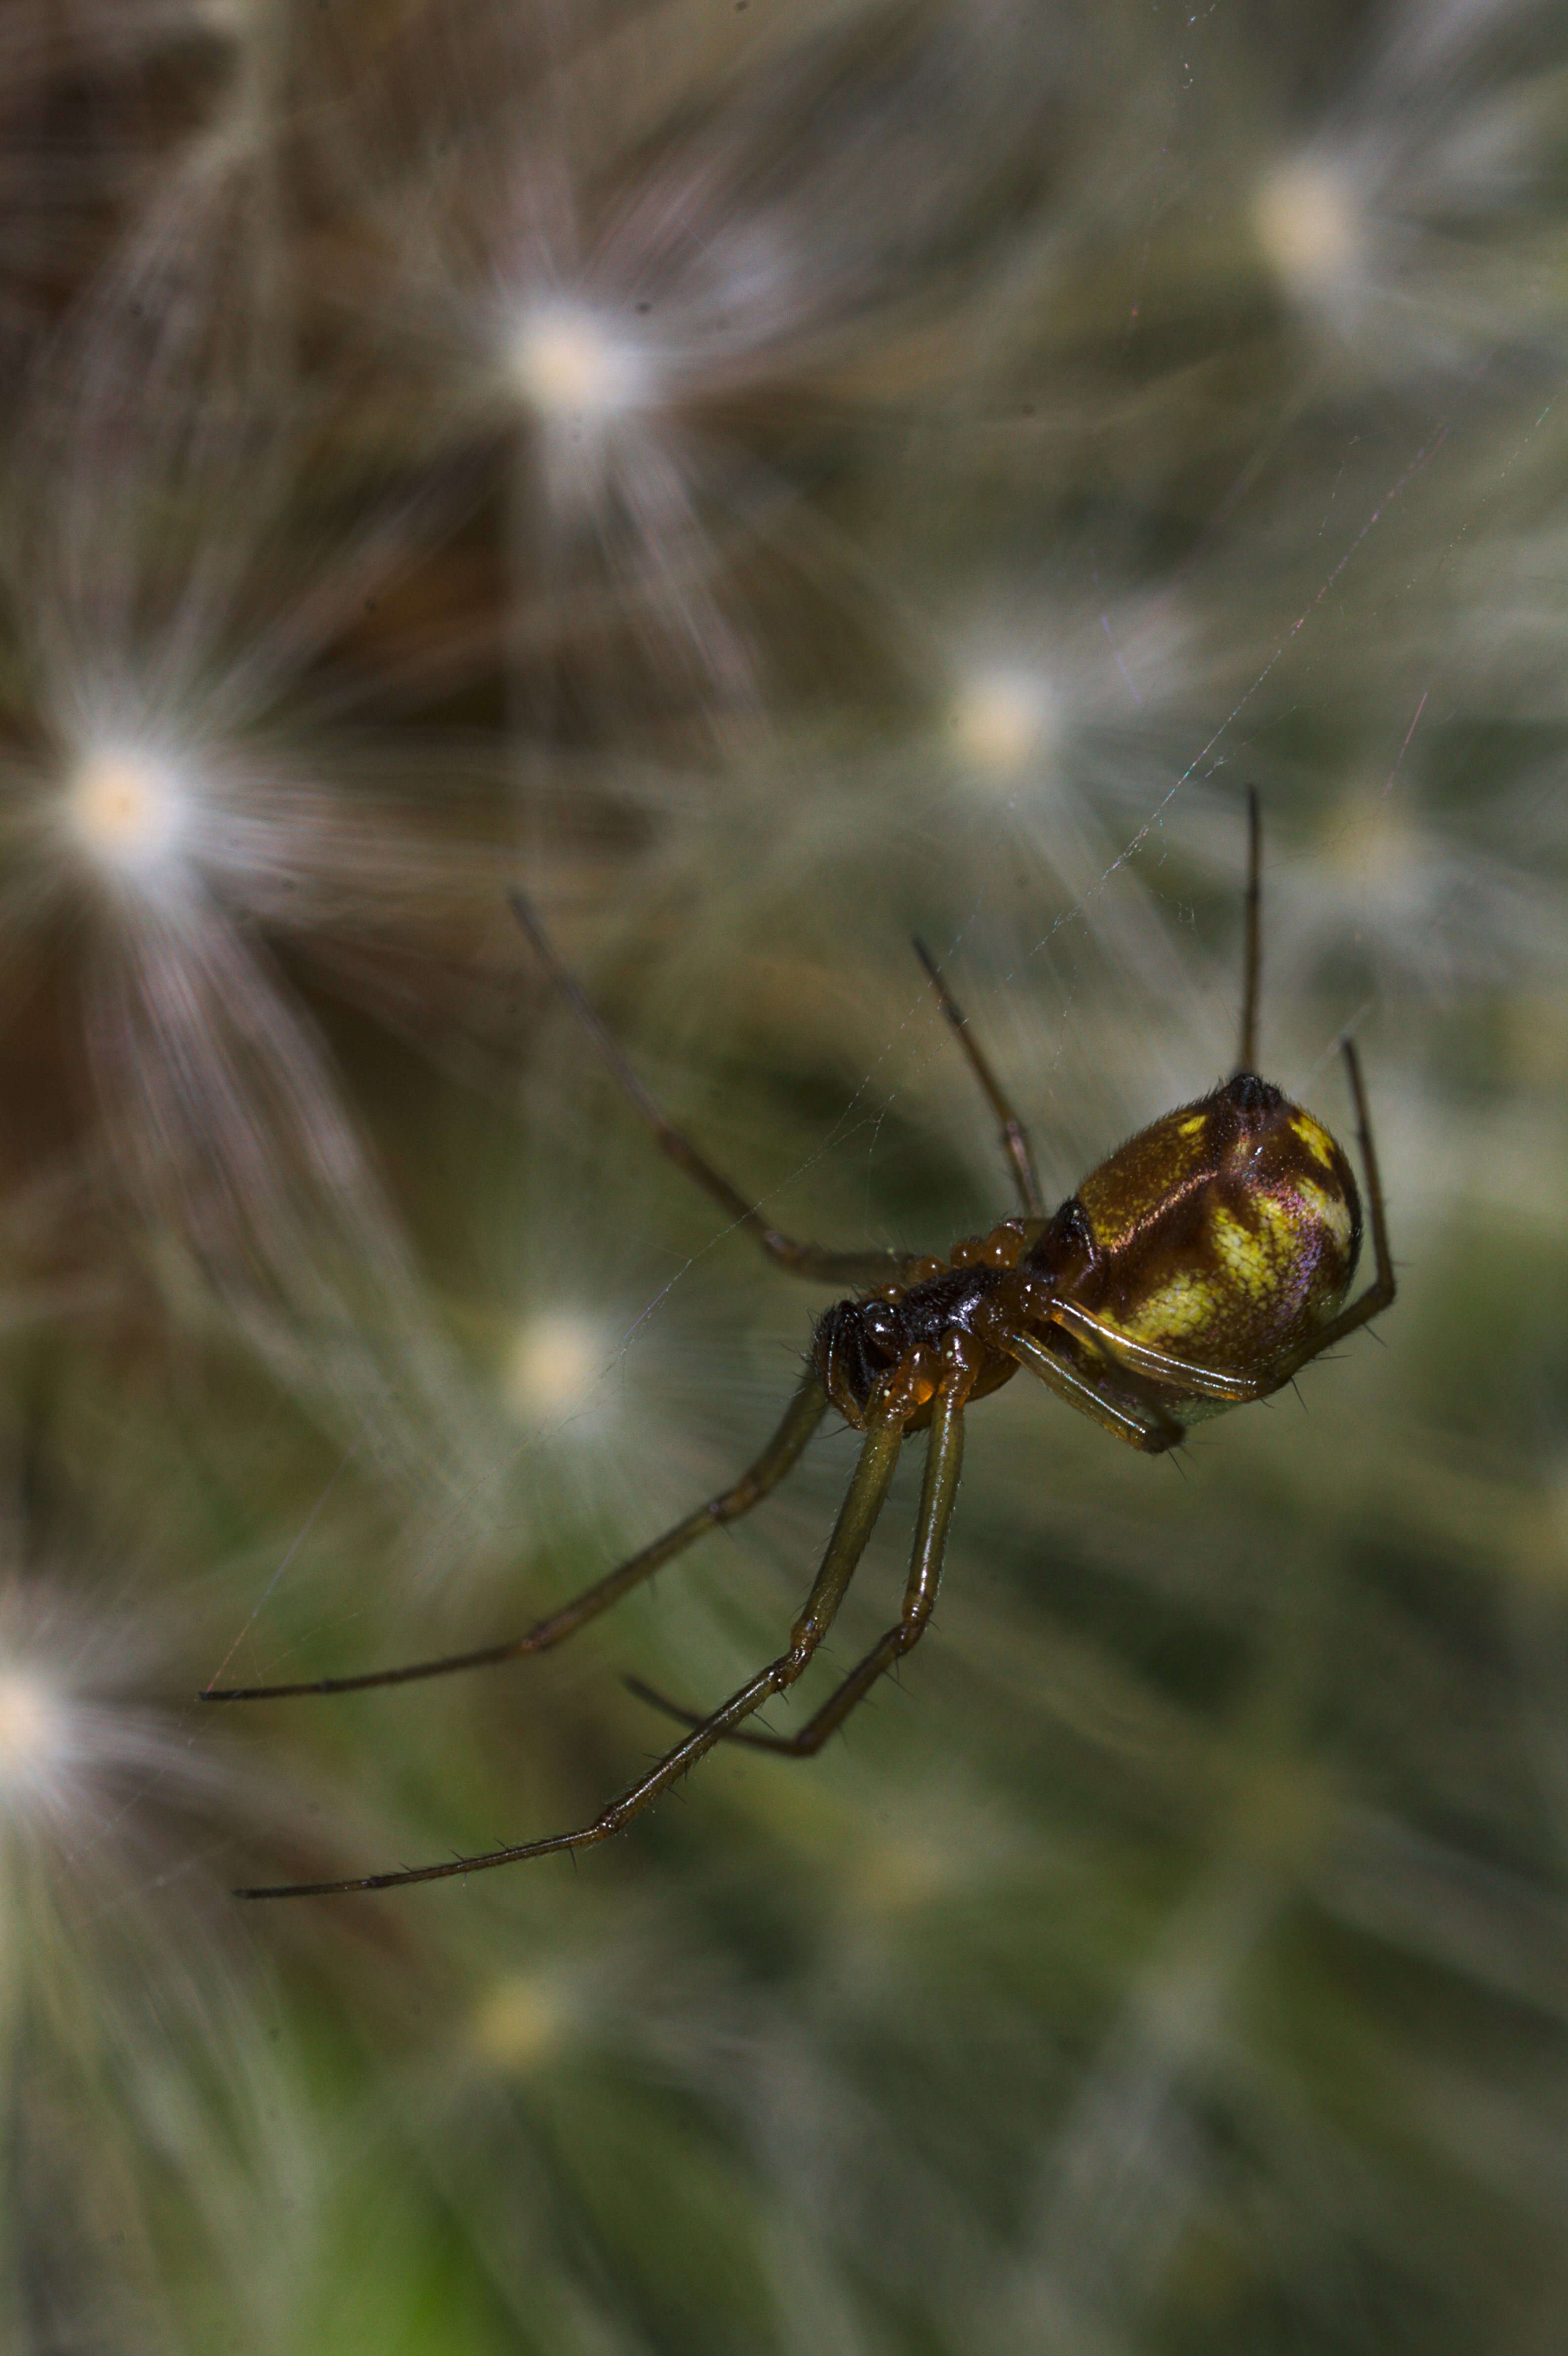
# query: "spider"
(1203, 1265)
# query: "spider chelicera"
(1204, 1264)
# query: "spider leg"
(1252, 955)
(1014, 1136)
(807, 1259)
(1379, 1293)
(1155, 1431)
(805, 1412)
(1156, 1365)
(939, 1487)
(856, 1518)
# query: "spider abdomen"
(1225, 1234)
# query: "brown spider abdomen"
(1225, 1234)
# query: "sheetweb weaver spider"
(1204, 1264)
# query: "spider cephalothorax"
(1202, 1264)
(859, 1345)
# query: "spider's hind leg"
(1148, 1424)
(1379, 1295)
(1252, 954)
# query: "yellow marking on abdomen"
(1250, 1257)
(1332, 1210)
(1184, 1305)
(1312, 1134)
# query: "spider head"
(856, 1344)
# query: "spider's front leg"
(819, 1265)
(801, 1418)
(962, 1361)
(900, 1400)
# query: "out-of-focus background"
(769, 476)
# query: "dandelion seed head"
(572, 367)
(552, 1366)
(1004, 722)
(34, 1733)
(1286, 1815)
(231, 19)
(64, 1733)
(1312, 228)
(904, 1874)
(1379, 857)
(126, 811)
(521, 2022)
